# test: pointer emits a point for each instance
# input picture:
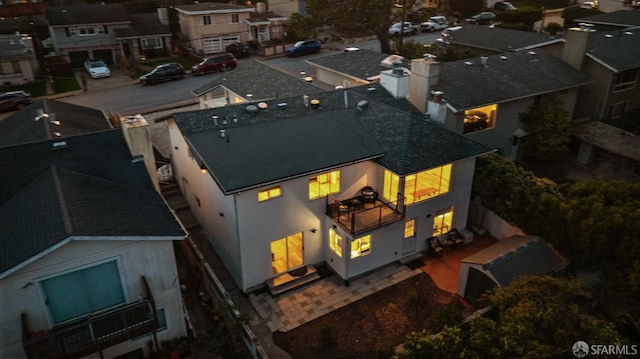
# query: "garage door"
(105, 55)
(77, 58)
(211, 45)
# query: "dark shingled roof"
(517, 256)
(501, 39)
(21, 127)
(86, 14)
(212, 6)
(294, 140)
(623, 18)
(617, 50)
(260, 80)
(91, 188)
(467, 84)
(361, 64)
(143, 25)
(609, 138)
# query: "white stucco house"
(353, 179)
(87, 266)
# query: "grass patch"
(65, 83)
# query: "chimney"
(261, 7)
(138, 138)
(437, 107)
(396, 80)
(163, 15)
(424, 74)
(577, 42)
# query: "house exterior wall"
(288, 7)
(215, 212)
(221, 26)
(592, 99)
(150, 258)
(335, 79)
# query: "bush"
(553, 28)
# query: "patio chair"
(369, 195)
(436, 249)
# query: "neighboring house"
(18, 62)
(611, 21)
(353, 178)
(148, 36)
(480, 97)
(253, 81)
(504, 262)
(265, 26)
(499, 40)
(106, 32)
(209, 27)
(607, 148)
(612, 59)
(352, 67)
(288, 7)
(87, 266)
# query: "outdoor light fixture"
(203, 169)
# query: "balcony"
(362, 213)
(93, 333)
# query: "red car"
(216, 63)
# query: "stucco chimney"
(577, 42)
(163, 15)
(138, 138)
(425, 73)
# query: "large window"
(151, 43)
(409, 228)
(390, 188)
(270, 193)
(84, 291)
(427, 184)
(625, 80)
(324, 184)
(335, 242)
(361, 246)
(235, 18)
(479, 118)
(206, 20)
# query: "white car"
(97, 69)
(434, 23)
(590, 4)
(409, 29)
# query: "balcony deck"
(357, 215)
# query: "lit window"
(206, 20)
(335, 242)
(442, 221)
(427, 184)
(480, 118)
(390, 190)
(410, 228)
(324, 184)
(270, 193)
(361, 246)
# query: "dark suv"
(482, 18)
(216, 63)
(239, 50)
(164, 72)
(14, 100)
(309, 46)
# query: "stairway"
(287, 282)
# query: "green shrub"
(553, 28)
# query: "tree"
(537, 317)
(548, 127)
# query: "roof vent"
(283, 104)
(315, 103)
(52, 119)
(362, 104)
(503, 57)
(215, 119)
(251, 109)
(428, 56)
(532, 53)
(483, 60)
(608, 36)
(59, 145)
(468, 63)
(628, 33)
(371, 89)
(40, 114)
(305, 100)
(222, 133)
(396, 68)
(262, 105)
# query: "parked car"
(503, 6)
(14, 100)
(304, 47)
(164, 72)
(407, 29)
(97, 68)
(482, 18)
(590, 4)
(216, 63)
(239, 50)
(434, 23)
(448, 32)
